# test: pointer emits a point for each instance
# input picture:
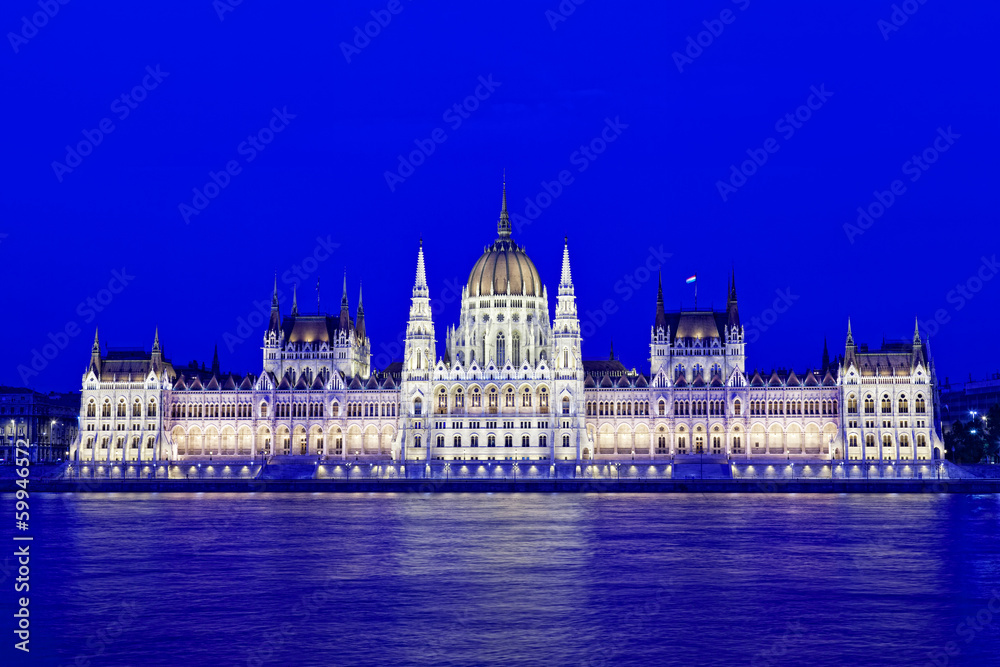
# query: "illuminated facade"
(512, 384)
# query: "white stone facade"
(511, 385)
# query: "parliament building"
(511, 385)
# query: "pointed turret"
(916, 331)
(274, 324)
(661, 318)
(566, 275)
(295, 300)
(156, 358)
(359, 328)
(732, 307)
(215, 361)
(850, 336)
(825, 364)
(345, 312)
(95, 355)
(612, 355)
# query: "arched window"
(508, 441)
(263, 410)
(442, 404)
(526, 398)
(516, 349)
(417, 406)
(737, 406)
(501, 350)
(661, 407)
(458, 441)
(137, 408)
(852, 405)
(91, 408)
(474, 440)
(886, 403)
(106, 408)
(477, 398)
(416, 441)
(869, 405)
(491, 441)
(543, 399)
(525, 441)
(919, 406)
(565, 405)
(509, 398)
(904, 405)
(121, 408)
(565, 441)
(151, 408)
(440, 441)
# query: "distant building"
(960, 399)
(46, 423)
(511, 385)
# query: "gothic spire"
(345, 311)
(732, 286)
(850, 336)
(274, 297)
(916, 331)
(566, 276)
(360, 325)
(274, 323)
(826, 358)
(156, 340)
(97, 346)
(295, 300)
(215, 361)
(95, 355)
(503, 224)
(421, 280)
(612, 357)
(661, 317)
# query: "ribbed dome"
(504, 269)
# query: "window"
(91, 409)
(474, 440)
(869, 405)
(526, 398)
(543, 399)
(662, 408)
(852, 441)
(516, 349)
(501, 350)
(442, 403)
(491, 441)
(681, 444)
(416, 441)
(525, 441)
(458, 441)
(736, 407)
(919, 406)
(417, 405)
(440, 441)
(565, 441)
(565, 405)
(886, 403)
(508, 441)
(542, 441)
(509, 398)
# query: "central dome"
(504, 268)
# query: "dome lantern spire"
(503, 224)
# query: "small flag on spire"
(691, 279)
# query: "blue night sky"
(836, 102)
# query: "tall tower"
(273, 337)
(735, 342)
(567, 365)
(418, 363)
(659, 352)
